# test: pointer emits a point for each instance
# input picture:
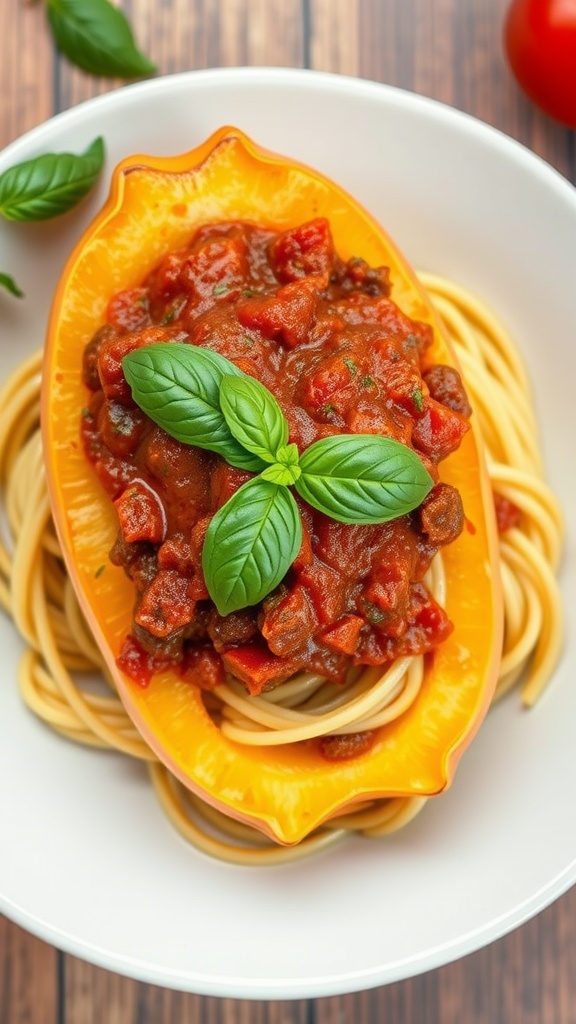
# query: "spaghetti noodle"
(59, 666)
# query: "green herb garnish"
(45, 187)
(418, 399)
(10, 285)
(49, 185)
(203, 399)
(97, 37)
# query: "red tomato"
(540, 41)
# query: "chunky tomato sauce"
(326, 338)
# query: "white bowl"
(87, 860)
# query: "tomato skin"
(540, 43)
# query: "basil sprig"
(49, 185)
(45, 187)
(97, 37)
(10, 285)
(203, 399)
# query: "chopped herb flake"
(418, 399)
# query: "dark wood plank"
(93, 995)
(28, 967)
(26, 69)
(28, 978)
(528, 977)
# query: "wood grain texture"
(28, 978)
(27, 65)
(450, 50)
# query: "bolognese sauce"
(326, 338)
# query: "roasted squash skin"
(154, 206)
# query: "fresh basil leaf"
(250, 544)
(362, 478)
(280, 473)
(49, 185)
(288, 454)
(178, 386)
(10, 285)
(253, 416)
(286, 469)
(97, 37)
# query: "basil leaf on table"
(178, 387)
(253, 416)
(362, 478)
(10, 285)
(97, 37)
(250, 544)
(49, 185)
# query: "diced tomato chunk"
(165, 282)
(330, 378)
(137, 663)
(389, 588)
(166, 604)
(216, 266)
(289, 621)
(286, 315)
(141, 514)
(225, 481)
(203, 666)
(305, 555)
(129, 309)
(176, 553)
(256, 667)
(110, 356)
(344, 635)
(439, 430)
(404, 386)
(304, 250)
(326, 588)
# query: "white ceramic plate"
(87, 860)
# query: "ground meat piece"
(90, 358)
(236, 628)
(356, 274)
(167, 648)
(346, 745)
(441, 515)
(445, 385)
(138, 559)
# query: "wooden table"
(447, 49)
